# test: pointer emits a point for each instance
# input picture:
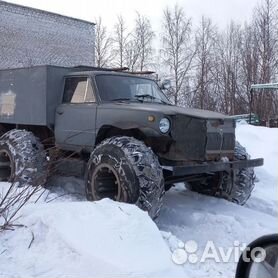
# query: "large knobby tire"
(22, 158)
(126, 170)
(235, 187)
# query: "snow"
(84, 239)
(65, 236)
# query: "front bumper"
(212, 167)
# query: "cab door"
(75, 123)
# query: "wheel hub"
(105, 183)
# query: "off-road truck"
(133, 142)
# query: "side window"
(78, 90)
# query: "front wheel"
(126, 170)
(235, 187)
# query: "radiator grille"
(220, 141)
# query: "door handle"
(59, 112)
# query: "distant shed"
(30, 37)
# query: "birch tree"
(120, 41)
(144, 36)
(103, 45)
(177, 51)
(205, 93)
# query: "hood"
(166, 109)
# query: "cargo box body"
(29, 96)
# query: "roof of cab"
(99, 72)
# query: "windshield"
(117, 87)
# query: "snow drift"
(83, 239)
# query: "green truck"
(134, 144)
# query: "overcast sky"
(221, 11)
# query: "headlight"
(164, 125)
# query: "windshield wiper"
(145, 95)
(151, 97)
(121, 99)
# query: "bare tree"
(213, 69)
(249, 68)
(229, 48)
(102, 45)
(265, 26)
(177, 51)
(144, 36)
(132, 53)
(205, 40)
(120, 41)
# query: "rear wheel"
(22, 158)
(126, 170)
(235, 187)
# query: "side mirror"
(166, 84)
(259, 259)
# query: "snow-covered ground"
(65, 236)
